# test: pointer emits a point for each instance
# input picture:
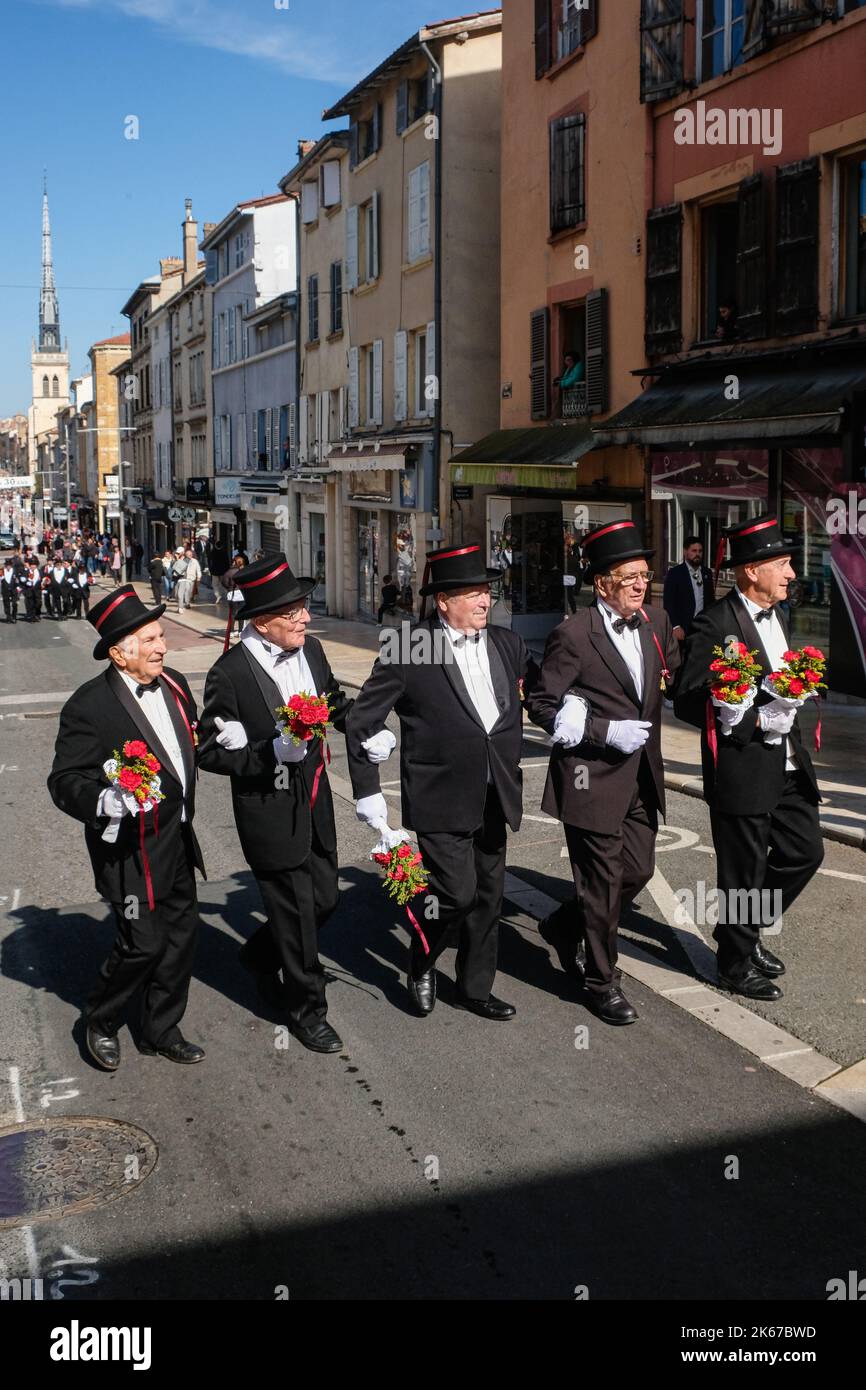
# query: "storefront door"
(368, 563)
(316, 522)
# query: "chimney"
(207, 228)
(304, 147)
(190, 243)
(169, 265)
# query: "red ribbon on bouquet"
(712, 738)
(319, 770)
(666, 675)
(145, 862)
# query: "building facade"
(109, 447)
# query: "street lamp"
(120, 491)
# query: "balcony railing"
(574, 401)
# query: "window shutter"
(309, 201)
(293, 443)
(377, 127)
(567, 164)
(596, 352)
(336, 296)
(401, 340)
(752, 259)
(276, 460)
(325, 430)
(352, 248)
(303, 422)
(353, 388)
(664, 228)
(353, 144)
(424, 208)
(240, 453)
(661, 58)
(341, 413)
(402, 107)
(431, 385)
(542, 37)
(215, 342)
(331, 183)
(375, 257)
(230, 325)
(790, 16)
(210, 274)
(377, 381)
(217, 446)
(414, 213)
(797, 247)
(539, 322)
(589, 21)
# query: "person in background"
(191, 577)
(137, 553)
(104, 555)
(168, 574)
(688, 589)
(572, 375)
(234, 595)
(10, 585)
(390, 594)
(726, 325)
(32, 582)
(156, 570)
(116, 563)
(79, 584)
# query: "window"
(196, 379)
(576, 24)
(240, 246)
(853, 220)
(330, 183)
(222, 442)
(240, 334)
(422, 369)
(719, 246)
(285, 450)
(261, 440)
(561, 26)
(414, 100)
(721, 26)
(45, 390)
(365, 136)
(223, 255)
(337, 297)
(309, 201)
(201, 308)
(231, 320)
(371, 239)
(419, 212)
(567, 172)
(313, 309)
(189, 317)
(663, 293)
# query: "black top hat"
(117, 615)
(268, 585)
(455, 569)
(759, 538)
(611, 544)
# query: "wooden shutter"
(662, 27)
(353, 144)
(402, 107)
(424, 208)
(414, 214)
(542, 37)
(352, 248)
(377, 127)
(217, 446)
(431, 383)
(276, 457)
(331, 183)
(589, 21)
(211, 274)
(539, 372)
(790, 16)
(752, 259)
(354, 415)
(401, 360)
(754, 28)
(309, 201)
(567, 164)
(796, 297)
(597, 356)
(240, 453)
(375, 219)
(336, 296)
(303, 424)
(664, 279)
(377, 382)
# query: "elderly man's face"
(142, 654)
(287, 628)
(466, 610)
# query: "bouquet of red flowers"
(801, 677)
(135, 771)
(734, 674)
(305, 717)
(405, 877)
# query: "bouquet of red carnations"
(801, 677)
(405, 877)
(135, 771)
(305, 717)
(734, 674)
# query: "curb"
(693, 786)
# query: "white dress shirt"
(153, 707)
(290, 671)
(473, 662)
(775, 644)
(697, 578)
(627, 644)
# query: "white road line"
(15, 1088)
(686, 931)
(35, 699)
(26, 1231)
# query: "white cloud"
(256, 30)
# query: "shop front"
(266, 515)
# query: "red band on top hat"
(759, 526)
(265, 577)
(614, 526)
(111, 607)
(449, 554)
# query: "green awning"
(544, 457)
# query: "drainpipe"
(442, 509)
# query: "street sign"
(462, 492)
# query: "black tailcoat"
(274, 823)
(94, 723)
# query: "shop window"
(854, 233)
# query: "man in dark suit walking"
(456, 692)
(143, 861)
(282, 802)
(600, 696)
(759, 782)
(689, 588)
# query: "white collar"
(752, 608)
(458, 638)
(251, 634)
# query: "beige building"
(107, 446)
(186, 476)
(420, 304)
(13, 445)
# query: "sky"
(222, 89)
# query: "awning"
(544, 457)
(782, 401)
(363, 461)
(222, 517)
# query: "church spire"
(49, 314)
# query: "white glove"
(570, 723)
(380, 747)
(232, 735)
(777, 719)
(390, 840)
(730, 715)
(628, 735)
(287, 752)
(116, 803)
(373, 811)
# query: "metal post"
(119, 471)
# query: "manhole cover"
(54, 1167)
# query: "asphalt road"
(434, 1157)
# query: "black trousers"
(775, 852)
(81, 599)
(298, 902)
(10, 607)
(157, 591)
(467, 878)
(154, 953)
(33, 602)
(609, 871)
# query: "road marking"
(686, 931)
(837, 873)
(35, 699)
(687, 838)
(15, 1088)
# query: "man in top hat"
(603, 680)
(143, 860)
(759, 784)
(457, 695)
(282, 802)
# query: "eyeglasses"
(645, 577)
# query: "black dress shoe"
(571, 952)
(104, 1048)
(491, 1007)
(611, 1006)
(422, 991)
(318, 1037)
(766, 962)
(175, 1052)
(750, 983)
